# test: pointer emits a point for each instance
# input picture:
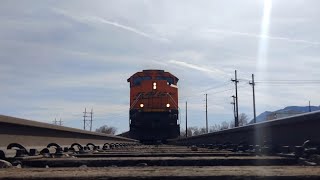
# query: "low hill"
(285, 112)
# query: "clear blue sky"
(58, 57)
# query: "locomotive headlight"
(168, 105)
(154, 84)
(141, 105)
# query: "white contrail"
(315, 43)
(128, 28)
(95, 19)
(197, 67)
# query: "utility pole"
(60, 122)
(207, 113)
(87, 124)
(84, 118)
(186, 118)
(254, 99)
(234, 108)
(55, 121)
(309, 107)
(91, 115)
(237, 105)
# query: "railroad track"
(291, 131)
(34, 150)
(135, 161)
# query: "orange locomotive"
(154, 110)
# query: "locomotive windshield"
(137, 80)
(168, 79)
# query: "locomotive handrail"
(175, 103)
(135, 102)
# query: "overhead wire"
(200, 93)
(217, 87)
(290, 81)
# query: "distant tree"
(183, 132)
(243, 119)
(215, 128)
(193, 131)
(224, 125)
(190, 132)
(202, 130)
(231, 124)
(107, 130)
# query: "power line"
(242, 79)
(290, 80)
(217, 87)
(193, 94)
(283, 84)
(221, 91)
(287, 82)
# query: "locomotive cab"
(154, 111)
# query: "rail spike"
(53, 144)
(77, 144)
(106, 146)
(91, 144)
(15, 145)
(21, 150)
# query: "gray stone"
(142, 164)
(5, 164)
(83, 166)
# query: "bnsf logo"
(147, 95)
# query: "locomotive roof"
(153, 71)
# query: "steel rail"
(290, 131)
(34, 134)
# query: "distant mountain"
(301, 108)
(262, 116)
(287, 111)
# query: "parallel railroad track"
(281, 149)
(158, 162)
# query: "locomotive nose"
(153, 106)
